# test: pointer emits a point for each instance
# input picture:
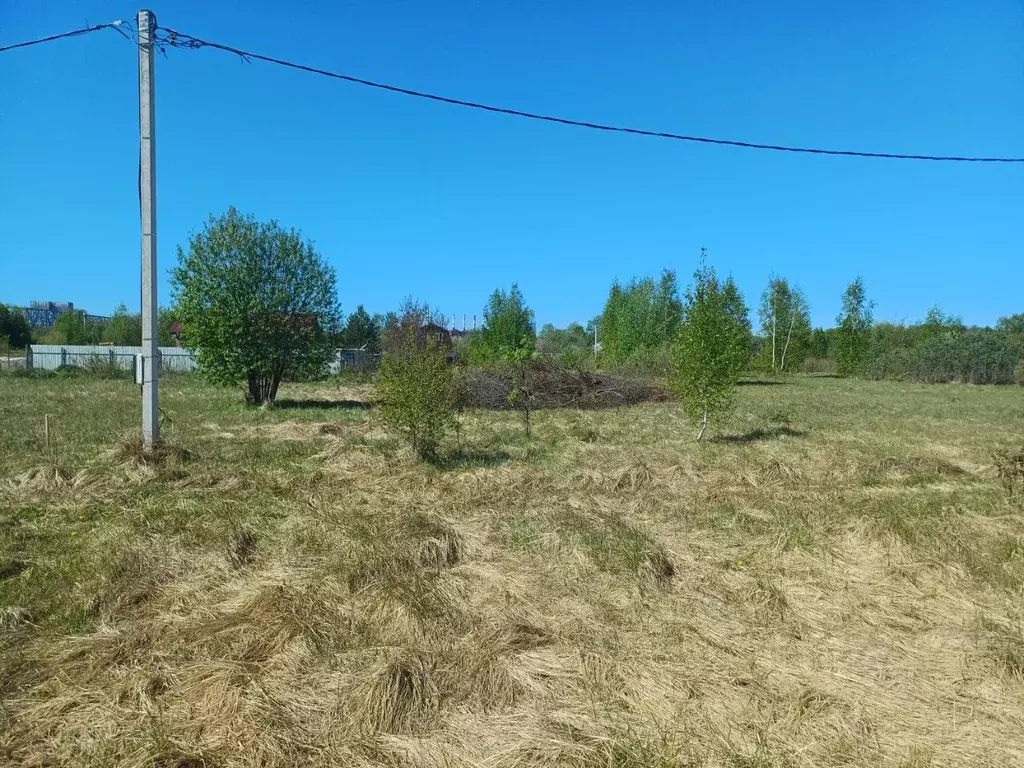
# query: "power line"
(177, 39)
(116, 26)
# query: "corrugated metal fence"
(52, 356)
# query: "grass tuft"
(1010, 470)
(1003, 641)
(12, 617)
(243, 548)
(398, 696)
(573, 747)
(612, 544)
(769, 601)
(634, 478)
(130, 451)
(911, 471)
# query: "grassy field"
(837, 579)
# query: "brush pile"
(549, 385)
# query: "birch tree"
(710, 350)
(785, 325)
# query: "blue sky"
(409, 197)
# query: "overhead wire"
(176, 39)
(114, 25)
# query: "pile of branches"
(550, 385)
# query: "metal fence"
(7, 361)
(356, 360)
(53, 356)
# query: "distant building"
(44, 314)
(435, 333)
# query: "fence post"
(63, 357)
(28, 358)
(113, 360)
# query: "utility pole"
(147, 206)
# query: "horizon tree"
(71, 327)
(643, 314)
(361, 331)
(853, 330)
(123, 329)
(508, 324)
(736, 307)
(1011, 324)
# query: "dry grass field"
(837, 579)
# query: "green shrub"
(711, 349)
(419, 392)
(650, 361)
(30, 373)
(102, 367)
(818, 365)
(576, 359)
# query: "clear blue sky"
(410, 197)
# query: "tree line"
(257, 305)
(639, 326)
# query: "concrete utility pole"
(147, 205)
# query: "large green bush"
(257, 304)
